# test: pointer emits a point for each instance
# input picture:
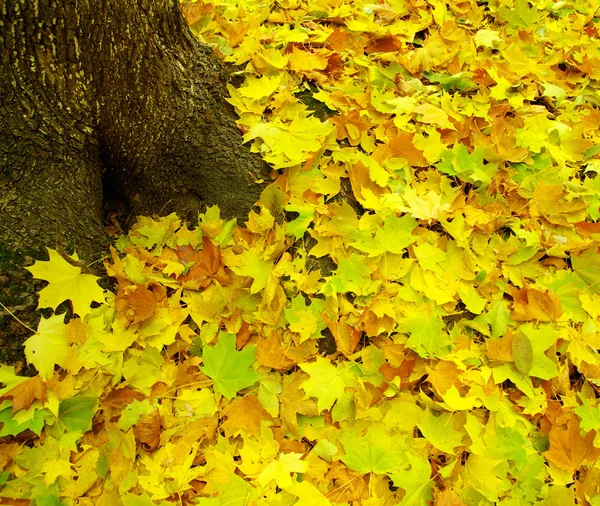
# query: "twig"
(15, 317)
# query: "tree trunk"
(106, 96)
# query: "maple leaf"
(230, 369)
(281, 469)
(13, 425)
(502, 182)
(440, 432)
(293, 402)
(23, 394)
(532, 304)
(65, 281)
(589, 416)
(75, 414)
(426, 334)
(467, 166)
(244, 414)
(415, 480)
(48, 347)
(325, 383)
(568, 448)
(135, 303)
(251, 263)
(394, 236)
(521, 16)
(147, 430)
(377, 451)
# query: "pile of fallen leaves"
(450, 356)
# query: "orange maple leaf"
(568, 448)
(245, 413)
(531, 304)
(25, 393)
(121, 397)
(135, 303)
(208, 264)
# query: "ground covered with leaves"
(410, 314)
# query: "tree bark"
(107, 96)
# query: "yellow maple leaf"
(48, 347)
(65, 281)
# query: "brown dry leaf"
(568, 449)
(147, 430)
(63, 387)
(25, 393)
(15, 502)
(245, 413)
(351, 127)
(242, 336)
(374, 325)
(531, 304)
(360, 179)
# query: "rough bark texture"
(101, 96)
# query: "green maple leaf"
(230, 369)
(352, 275)
(497, 317)
(521, 16)
(416, 481)
(451, 83)
(394, 236)
(325, 383)
(440, 432)
(306, 214)
(587, 268)
(12, 427)
(467, 166)
(427, 337)
(589, 415)
(508, 444)
(375, 452)
(541, 339)
(77, 412)
(65, 281)
(252, 264)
